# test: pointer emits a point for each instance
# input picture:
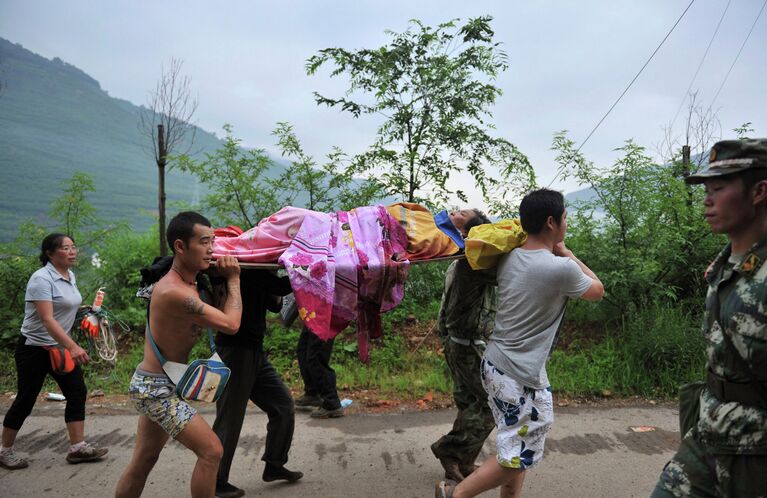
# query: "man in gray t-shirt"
(534, 283)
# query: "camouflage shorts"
(695, 472)
(154, 395)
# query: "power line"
(629, 85)
(695, 76)
(737, 56)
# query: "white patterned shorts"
(522, 415)
(154, 395)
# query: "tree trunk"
(686, 172)
(161, 161)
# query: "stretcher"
(276, 266)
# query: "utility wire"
(629, 86)
(736, 57)
(695, 76)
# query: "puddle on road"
(646, 443)
(650, 443)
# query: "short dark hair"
(479, 218)
(181, 227)
(537, 206)
(51, 242)
(751, 177)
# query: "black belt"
(725, 390)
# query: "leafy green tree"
(434, 88)
(72, 214)
(325, 188)
(75, 216)
(120, 258)
(640, 233)
(744, 130)
(242, 192)
(18, 260)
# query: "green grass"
(651, 354)
(654, 352)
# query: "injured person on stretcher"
(428, 236)
(352, 265)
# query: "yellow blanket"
(487, 243)
(425, 239)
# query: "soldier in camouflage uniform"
(466, 318)
(725, 453)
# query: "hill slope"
(55, 119)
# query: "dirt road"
(591, 452)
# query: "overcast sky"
(569, 61)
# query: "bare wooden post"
(168, 114)
(686, 171)
(161, 161)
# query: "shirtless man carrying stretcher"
(177, 315)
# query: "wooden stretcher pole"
(276, 266)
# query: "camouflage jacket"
(741, 284)
(468, 304)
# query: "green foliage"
(744, 130)
(328, 188)
(657, 349)
(241, 190)
(423, 292)
(392, 368)
(18, 260)
(434, 87)
(74, 214)
(54, 119)
(663, 348)
(643, 234)
(280, 343)
(119, 259)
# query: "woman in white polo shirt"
(51, 304)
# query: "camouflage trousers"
(475, 420)
(695, 472)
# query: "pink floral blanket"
(345, 266)
(265, 242)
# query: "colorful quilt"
(346, 266)
(265, 242)
(424, 239)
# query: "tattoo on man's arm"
(193, 306)
(233, 299)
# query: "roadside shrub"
(18, 260)
(663, 348)
(642, 231)
(425, 282)
(121, 257)
(657, 349)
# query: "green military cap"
(733, 156)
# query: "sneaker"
(11, 461)
(273, 473)
(87, 453)
(325, 413)
(227, 490)
(308, 403)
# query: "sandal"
(444, 489)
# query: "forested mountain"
(54, 120)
